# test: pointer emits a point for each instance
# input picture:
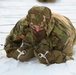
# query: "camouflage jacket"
(60, 35)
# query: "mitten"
(43, 56)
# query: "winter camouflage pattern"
(54, 44)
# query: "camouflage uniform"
(54, 45)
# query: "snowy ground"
(10, 12)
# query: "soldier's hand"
(43, 56)
(18, 53)
(21, 52)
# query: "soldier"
(48, 36)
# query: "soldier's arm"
(25, 51)
(13, 40)
(46, 55)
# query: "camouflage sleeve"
(12, 40)
(69, 22)
(73, 29)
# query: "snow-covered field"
(13, 10)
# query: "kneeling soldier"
(44, 34)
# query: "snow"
(13, 67)
(13, 10)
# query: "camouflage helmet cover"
(46, 0)
(39, 15)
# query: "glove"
(43, 56)
(21, 52)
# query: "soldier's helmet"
(46, 0)
(39, 15)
